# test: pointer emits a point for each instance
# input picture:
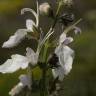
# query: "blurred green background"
(82, 79)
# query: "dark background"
(82, 79)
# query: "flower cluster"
(60, 61)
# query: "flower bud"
(66, 18)
(45, 9)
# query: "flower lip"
(30, 24)
(15, 39)
(26, 80)
(17, 89)
(36, 14)
(62, 38)
(65, 40)
(15, 63)
(65, 55)
(32, 56)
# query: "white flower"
(58, 72)
(64, 39)
(65, 55)
(19, 62)
(30, 24)
(20, 34)
(17, 89)
(15, 39)
(15, 63)
(68, 40)
(25, 80)
(32, 56)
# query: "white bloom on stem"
(15, 39)
(19, 62)
(64, 39)
(58, 72)
(30, 24)
(15, 63)
(65, 55)
(20, 34)
(16, 90)
(68, 40)
(25, 80)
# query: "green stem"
(45, 51)
(44, 93)
(44, 70)
(58, 9)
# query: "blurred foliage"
(82, 79)
(9, 5)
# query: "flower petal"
(62, 38)
(77, 30)
(33, 12)
(16, 90)
(65, 40)
(68, 59)
(26, 80)
(32, 56)
(14, 64)
(30, 10)
(15, 39)
(58, 72)
(30, 24)
(68, 40)
(65, 55)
